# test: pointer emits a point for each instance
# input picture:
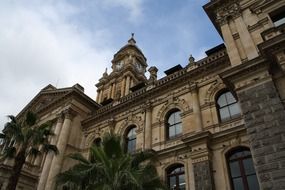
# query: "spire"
(105, 74)
(132, 40)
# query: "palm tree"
(111, 168)
(23, 138)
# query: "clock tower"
(128, 69)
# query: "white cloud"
(134, 7)
(38, 46)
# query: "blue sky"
(63, 42)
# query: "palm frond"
(79, 157)
(33, 151)
(9, 152)
(50, 148)
(30, 119)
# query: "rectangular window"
(278, 16)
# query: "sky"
(64, 42)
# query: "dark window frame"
(219, 108)
(278, 15)
(176, 124)
(169, 174)
(133, 138)
(241, 166)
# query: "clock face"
(139, 67)
(119, 65)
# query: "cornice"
(244, 69)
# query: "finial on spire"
(105, 74)
(132, 40)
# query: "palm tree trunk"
(16, 171)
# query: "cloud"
(134, 7)
(39, 45)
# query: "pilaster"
(196, 107)
(148, 129)
(49, 157)
(61, 145)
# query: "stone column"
(127, 90)
(230, 44)
(264, 117)
(49, 156)
(61, 145)
(246, 39)
(196, 107)
(123, 87)
(148, 129)
(113, 90)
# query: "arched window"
(227, 106)
(241, 170)
(176, 177)
(173, 124)
(131, 138)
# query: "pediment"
(44, 98)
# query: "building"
(218, 123)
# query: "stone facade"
(183, 117)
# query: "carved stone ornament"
(171, 104)
(229, 10)
(213, 90)
(131, 120)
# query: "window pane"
(171, 132)
(177, 117)
(132, 146)
(178, 128)
(172, 182)
(238, 184)
(132, 133)
(248, 166)
(222, 100)
(279, 22)
(224, 114)
(171, 119)
(252, 182)
(182, 182)
(235, 169)
(230, 98)
(234, 109)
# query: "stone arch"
(213, 90)
(90, 138)
(173, 163)
(134, 121)
(180, 104)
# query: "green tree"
(109, 167)
(22, 138)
